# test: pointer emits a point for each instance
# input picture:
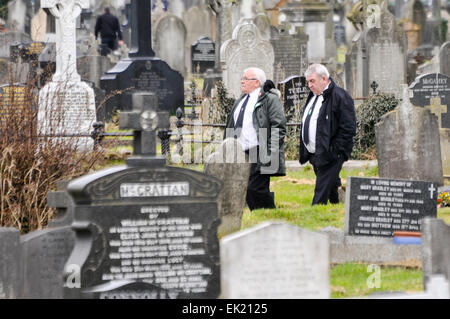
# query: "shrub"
(30, 165)
(367, 115)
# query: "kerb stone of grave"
(436, 249)
(408, 143)
(230, 166)
(142, 70)
(274, 260)
(152, 228)
(379, 206)
(66, 104)
(432, 91)
(11, 281)
(245, 49)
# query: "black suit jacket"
(336, 127)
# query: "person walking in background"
(108, 27)
(257, 120)
(328, 128)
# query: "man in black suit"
(108, 27)
(328, 128)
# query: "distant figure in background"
(108, 27)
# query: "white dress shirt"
(248, 138)
(311, 147)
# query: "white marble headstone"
(66, 105)
(245, 49)
(275, 260)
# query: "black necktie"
(240, 119)
(307, 120)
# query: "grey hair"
(260, 75)
(319, 69)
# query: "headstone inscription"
(16, 105)
(229, 165)
(293, 90)
(436, 249)
(11, 281)
(153, 228)
(406, 138)
(379, 206)
(142, 70)
(66, 104)
(203, 55)
(275, 260)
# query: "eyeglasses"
(246, 79)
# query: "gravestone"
(379, 206)
(60, 200)
(198, 26)
(274, 260)
(246, 49)
(229, 165)
(444, 58)
(44, 254)
(432, 92)
(406, 139)
(170, 38)
(290, 53)
(11, 281)
(153, 228)
(293, 91)
(203, 55)
(312, 16)
(386, 50)
(436, 249)
(142, 70)
(66, 104)
(16, 106)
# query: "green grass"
(354, 280)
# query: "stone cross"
(144, 119)
(141, 29)
(437, 108)
(66, 13)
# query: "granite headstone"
(229, 165)
(203, 55)
(11, 280)
(379, 207)
(293, 90)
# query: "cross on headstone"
(374, 87)
(141, 34)
(144, 120)
(431, 189)
(66, 13)
(437, 109)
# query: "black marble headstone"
(433, 85)
(378, 207)
(203, 55)
(142, 70)
(293, 90)
(154, 227)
